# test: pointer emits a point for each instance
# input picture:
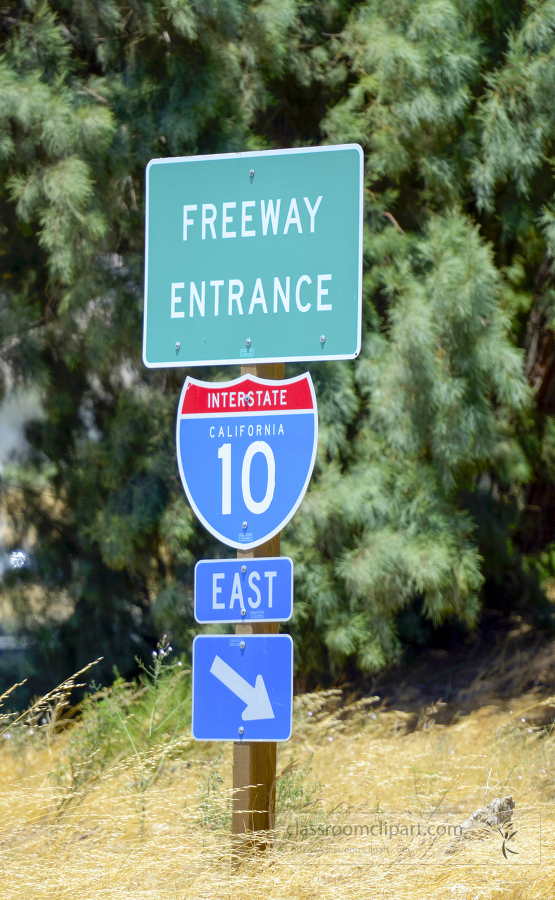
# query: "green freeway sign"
(253, 256)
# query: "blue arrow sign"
(243, 590)
(246, 450)
(242, 687)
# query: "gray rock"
(479, 825)
(497, 812)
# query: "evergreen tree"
(431, 428)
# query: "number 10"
(254, 506)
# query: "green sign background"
(263, 332)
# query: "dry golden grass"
(115, 840)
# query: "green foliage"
(431, 443)
(295, 795)
(214, 805)
(96, 741)
(141, 723)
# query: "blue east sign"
(243, 590)
(246, 451)
(242, 687)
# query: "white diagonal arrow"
(256, 698)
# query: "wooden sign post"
(254, 762)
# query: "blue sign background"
(217, 713)
(211, 592)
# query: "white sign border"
(255, 360)
(246, 545)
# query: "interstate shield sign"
(246, 451)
